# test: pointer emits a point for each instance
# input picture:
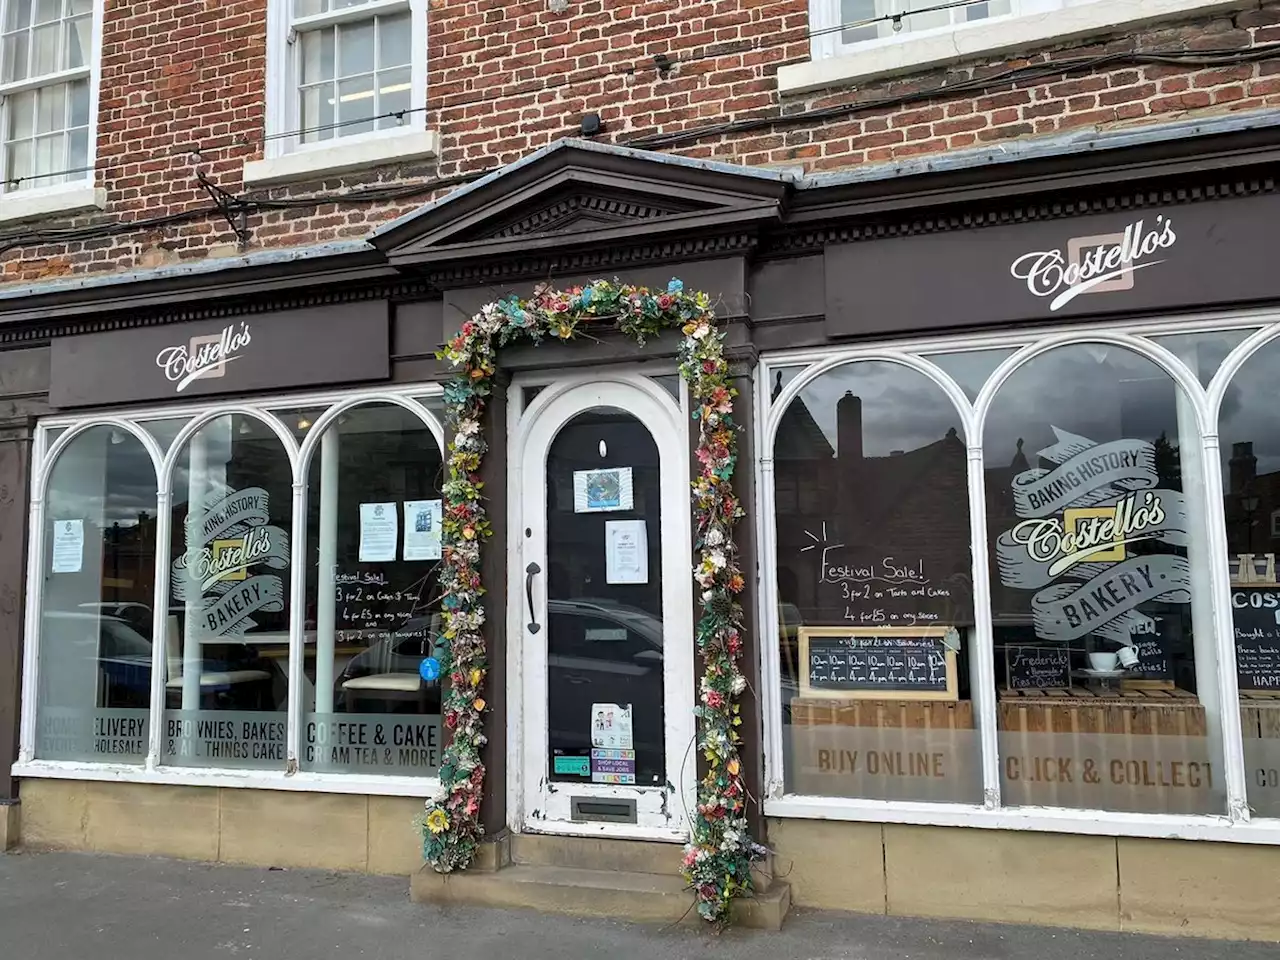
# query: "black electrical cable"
(1032, 72)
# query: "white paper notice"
(378, 532)
(598, 491)
(611, 726)
(626, 552)
(422, 529)
(68, 546)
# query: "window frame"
(284, 49)
(1236, 822)
(415, 398)
(40, 199)
(825, 15)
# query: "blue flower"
(675, 286)
(587, 294)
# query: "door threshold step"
(617, 894)
(596, 853)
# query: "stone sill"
(883, 58)
(339, 157)
(51, 201)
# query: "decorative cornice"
(562, 214)
(794, 239)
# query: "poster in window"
(68, 546)
(626, 552)
(377, 532)
(422, 529)
(601, 491)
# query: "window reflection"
(1100, 581)
(874, 588)
(227, 638)
(1249, 434)
(372, 632)
(99, 566)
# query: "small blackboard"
(1153, 658)
(1256, 614)
(1037, 668)
(900, 663)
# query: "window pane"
(79, 103)
(51, 108)
(373, 618)
(309, 8)
(22, 115)
(44, 45)
(78, 152)
(15, 52)
(50, 159)
(79, 36)
(393, 95)
(859, 11)
(164, 431)
(1104, 639)
(395, 41)
(971, 369)
(18, 165)
(77, 7)
(356, 103)
(1203, 353)
(316, 113)
(875, 602)
(48, 10)
(317, 56)
(355, 48)
(18, 14)
(1249, 434)
(99, 570)
(227, 637)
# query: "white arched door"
(603, 663)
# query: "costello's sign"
(323, 345)
(1094, 264)
(1209, 254)
(1090, 538)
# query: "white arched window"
(1119, 652)
(249, 587)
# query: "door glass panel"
(604, 603)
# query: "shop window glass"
(1249, 434)
(875, 604)
(227, 637)
(372, 632)
(1105, 666)
(165, 431)
(1203, 353)
(95, 631)
(971, 369)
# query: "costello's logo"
(1098, 264)
(204, 358)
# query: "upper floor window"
(863, 20)
(47, 59)
(346, 69)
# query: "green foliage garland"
(717, 861)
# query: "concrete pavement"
(60, 906)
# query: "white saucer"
(1103, 674)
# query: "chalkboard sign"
(1037, 668)
(1256, 615)
(370, 605)
(1153, 658)
(896, 663)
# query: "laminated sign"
(1074, 545)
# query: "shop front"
(1011, 644)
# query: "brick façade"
(183, 90)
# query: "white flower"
(714, 537)
(701, 331)
(739, 684)
(717, 559)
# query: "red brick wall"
(506, 78)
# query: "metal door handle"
(531, 571)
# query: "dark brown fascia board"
(706, 187)
(1235, 152)
(703, 222)
(183, 290)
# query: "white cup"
(1104, 662)
(1128, 657)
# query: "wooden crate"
(1085, 710)
(1260, 714)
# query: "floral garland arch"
(717, 860)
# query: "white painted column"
(325, 586)
(192, 650)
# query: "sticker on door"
(611, 726)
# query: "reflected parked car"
(601, 652)
(386, 677)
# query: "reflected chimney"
(849, 428)
(1243, 466)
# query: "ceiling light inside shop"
(366, 94)
(604, 449)
(304, 423)
(245, 428)
(117, 437)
